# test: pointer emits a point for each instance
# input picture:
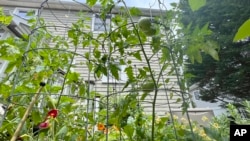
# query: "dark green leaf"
(137, 55)
(130, 73)
(97, 53)
(129, 130)
(115, 70)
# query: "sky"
(148, 3)
(142, 3)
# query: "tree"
(228, 78)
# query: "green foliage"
(243, 33)
(196, 4)
(134, 11)
(221, 78)
(197, 43)
(4, 20)
(91, 2)
(44, 56)
(146, 25)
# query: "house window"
(122, 76)
(24, 13)
(2, 31)
(197, 95)
(3, 65)
(101, 25)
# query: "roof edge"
(66, 5)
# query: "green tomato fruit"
(150, 32)
(144, 24)
(148, 87)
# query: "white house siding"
(65, 15)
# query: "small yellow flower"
(158, 120)
(167, 115)
(183, 120)
(115, 128)
(195, 129)
(203, 134)
(215, 125)
(204, 118)
(182, 126)
(175, 117)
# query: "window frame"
(107, 22)
(3, 65)
(25, 17)
(196, 95)
(2, 33)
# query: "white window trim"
(2, 33)
(18, 9)
(3, 66)
(195, 93)
(122, 75)
(58, 82)
(108, 25)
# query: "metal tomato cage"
(86, 107)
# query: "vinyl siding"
(63, 19)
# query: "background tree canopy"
(230, 77)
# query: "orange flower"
(100, 126)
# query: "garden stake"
(25, 116)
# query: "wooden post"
(27, 112)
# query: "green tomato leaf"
(165, 55)
(91, 2)
(129, 72)
(82, 90)
(210, 48)
(213, 53)
(36, 116)
(137, 55)
(178, 100)
(171, 95)
(62, 131)
(129, 130)
(196, 4)
(142, 73)
(115, 70)
(156, 41)
(73, 77)
(97, 53)
(144, 95)
(243, 31)
(134, 11)
(10, 67)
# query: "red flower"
(53, 113)
(44, 125)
